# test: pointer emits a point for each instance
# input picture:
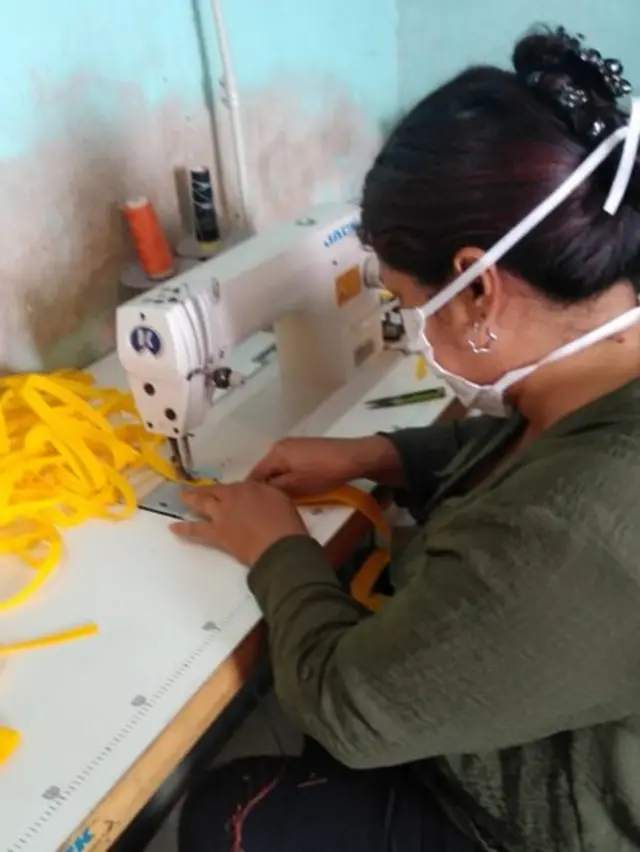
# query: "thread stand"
(189, 247)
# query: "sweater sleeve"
(425, 452)
(511, 629)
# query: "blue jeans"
(313, 804)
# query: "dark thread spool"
(205, 220)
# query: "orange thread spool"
(148, 238)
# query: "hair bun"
(580, 85)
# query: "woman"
(494, 702)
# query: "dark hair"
(475, 156)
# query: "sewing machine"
(309, 280)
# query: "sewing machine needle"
(177, 460)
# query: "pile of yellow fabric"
(67, 450)
(65, 445)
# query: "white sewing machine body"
(309, 280)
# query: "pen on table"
(413, 398)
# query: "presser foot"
(165, 498)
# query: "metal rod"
(176, 458)
(186, 453)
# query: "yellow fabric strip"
(354, 498)
(9, 742)
(68, 447)
(362, 585)
(71, 635)
(422, 368)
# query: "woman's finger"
(203, 502)
(265, 469)
(194, 530)
(284, 482)
(201, 492)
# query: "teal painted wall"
(437, 39)
(352, 42)
(154, 46)
(103, 46)
(102, 101)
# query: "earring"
(482, 350)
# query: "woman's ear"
(483, 298)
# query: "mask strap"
(627, 161)
(602, 332)
(593, 161)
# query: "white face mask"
(490, 398)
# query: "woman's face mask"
(490, 399)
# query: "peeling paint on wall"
(59, 204)
(59, 208)
(102, 102)
(304, 149)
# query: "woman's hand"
(243, 519)
(308, 466)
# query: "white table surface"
(169, 613)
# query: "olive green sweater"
(506, 668)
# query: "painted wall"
(317, 80)
(437, 39)
(103, 101)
